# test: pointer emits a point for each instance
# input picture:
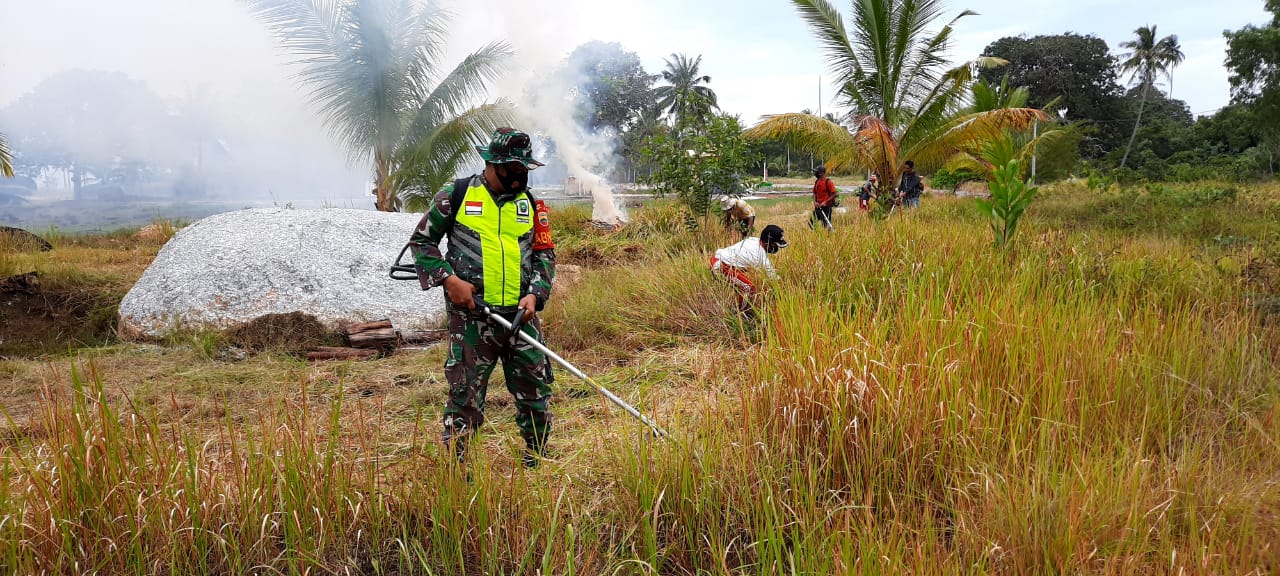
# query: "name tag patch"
(473, 208)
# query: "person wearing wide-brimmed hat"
(500, 250)
(738, 214)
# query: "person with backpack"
(500, 250)
(869, 191)
(910, 187)
(824, 198)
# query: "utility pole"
(1035, 134)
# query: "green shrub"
(1204, 196)
(1099, 181)
(1010, 196)
(952, 179)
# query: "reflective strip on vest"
(500, 230)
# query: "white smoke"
(550, 108)
(544, 93)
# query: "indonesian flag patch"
(473, 208)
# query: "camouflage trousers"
(475, 347)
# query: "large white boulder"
(237, 266)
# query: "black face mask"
(513, 181)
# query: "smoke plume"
(546, 94)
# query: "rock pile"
(237, 266)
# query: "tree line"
(374, 72)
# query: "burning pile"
(605, 213)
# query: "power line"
(1131, 120)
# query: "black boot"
(534, 451)
(456, 436)
(459, 449)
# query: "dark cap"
(772, 236)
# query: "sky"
(760, 55)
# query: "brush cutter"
(401, 271)
(826, 220)
(514, 327)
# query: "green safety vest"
(496, 240)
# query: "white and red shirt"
(745, 255)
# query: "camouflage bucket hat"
(509, 145)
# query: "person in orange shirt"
(824, 198)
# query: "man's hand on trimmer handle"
(461, 294)
(529, 304)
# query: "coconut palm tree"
(1147, 60)
(904, 100)
(1019, 145)
(374, 70)
(6, 159)
(686, 97)
(987, 97)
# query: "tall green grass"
(1094, 400)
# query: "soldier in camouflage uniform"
(500, 249)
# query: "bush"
(952, 179)
(692, 166)
(1010, 196)
(1203, 196)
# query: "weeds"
(1098, 400)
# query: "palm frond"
(1050, 135)
(6, 159)
(386, 38)
(918, 67)
(967, 132)
(309, 28)
(939, 107)
(435, 159)
(877, 149)
(808, 133)
(873, 39)
(462, 87)
(1012, 146)
(317, 31)
(828, 25)
(363, 62)
(841, 149)
(432, 27)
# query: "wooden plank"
(380, 339)
(363, 326)
(331, 353)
